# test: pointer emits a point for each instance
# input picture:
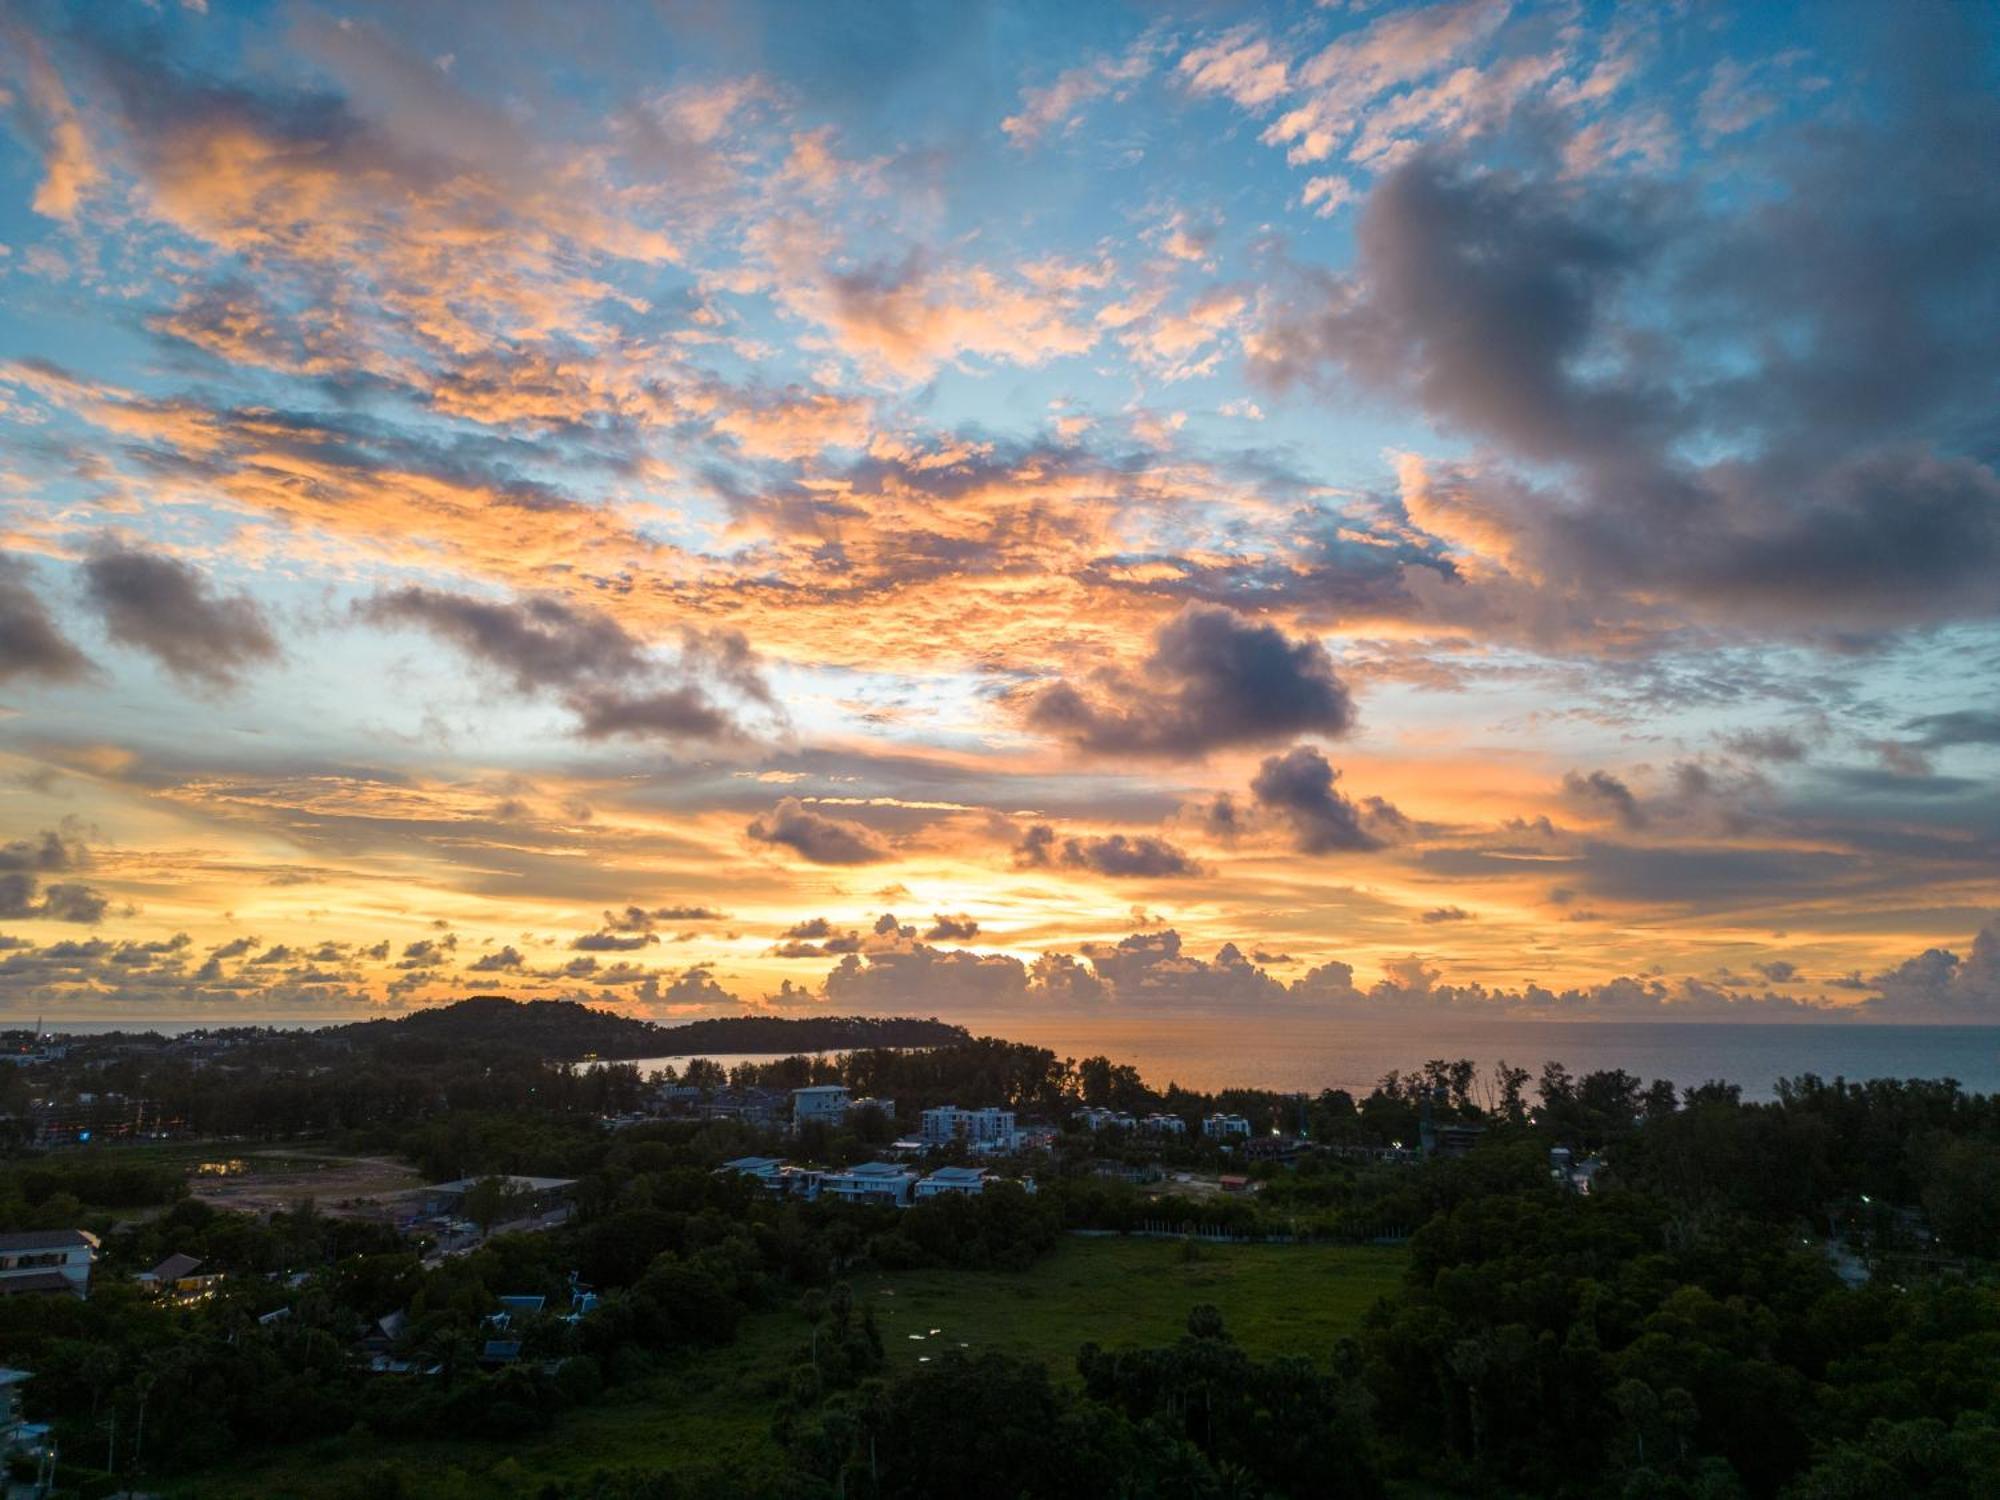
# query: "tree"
(490, 1201)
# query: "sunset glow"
(928, 509)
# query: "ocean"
(1210, 1053)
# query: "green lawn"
(714, 1414)
(1275, 1299)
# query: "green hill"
(565, 1029)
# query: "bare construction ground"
(259, 1182)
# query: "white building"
(1097, 1118)
(1159, 1124)
(1225, 1127)
(887, 1106)
(871, 1182)
(980, 1129)
(825, 1102)
(46, 1260)
(765, 1171)
(968, 1181)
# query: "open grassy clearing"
(713, 1414)
(1275, 1299)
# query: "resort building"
(46, 1260)
(979, 1129)
(879, 1182)
(966, 1181)
(825, 1104)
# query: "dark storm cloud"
(602, 672)
(1600, 791)
(63, 901)
(684, 712)
(613, 942)
(1625, 340)
(1779, 745)
(1213, 679)
(1298, 789)
(535, 643)
(641, 919)
(817, 837)
(1963, 727)
(1118, 856)
(51, 851)
(164, 607)
(816, 937)
(30, 643)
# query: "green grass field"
(714, 1413)
(1275, 1299)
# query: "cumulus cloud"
(1298, 788)
(817, 837)
(1151, 967)
(936, 979)
(166, 608)
(1213, 679)
(1939, 985)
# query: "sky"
(1000, 509)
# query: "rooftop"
(958, 1174)
(46, 1239)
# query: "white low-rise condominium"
(989, 1129)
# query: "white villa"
(988, 1129)
(870, 1182)
(824, 1102)
(46, 1260)
(968, 1181)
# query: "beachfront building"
(966, 1181)
(824, 1104)
(1225, 1127)
(978, 1129)
(880, 1182)
(46, 1260)
(767, 1172)
(1094, 1118)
